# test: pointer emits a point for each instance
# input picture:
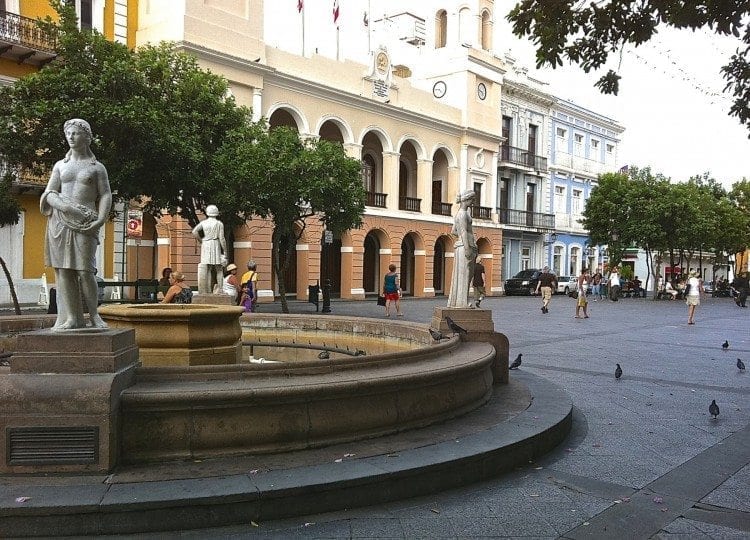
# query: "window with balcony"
(507, 127)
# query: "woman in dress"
(179, 292)
(693, 296)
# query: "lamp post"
(327, 241)
(551, 239)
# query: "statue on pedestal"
(210, 235)
(76, 201)
(464, 252)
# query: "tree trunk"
(11, 287)
(279, 268)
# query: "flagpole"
(338, 49)
(303, 29)
(369, 26)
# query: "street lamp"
(551, 239)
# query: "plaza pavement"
(644, 458)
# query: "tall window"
(559, 199)
(532, 138)
(478, 191)
(525, 258)
(575, 255)
(557, 260)
(594, 154)
(577, 203)
(561, 135)
(466, 27)
(441, 29)
(486, 30)
(578, 144)
(504, 193)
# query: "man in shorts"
(547, 283)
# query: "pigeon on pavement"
(618, 372)
(453, 326)
(359, 352)
(437, 336)
(516, 363)
(324, 355)
(725, 345)
(713, 409)
(740, 365)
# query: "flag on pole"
(335, 11)
(300, 5)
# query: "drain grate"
(52, 445)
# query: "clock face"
(439, 89)
(481, 91)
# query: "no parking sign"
(135, 224)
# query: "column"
(463, 162)
(424, 184)
(390, 179)
(353, 150)
(494, 187)
(452, 188)
(303, 272)
(257, 104)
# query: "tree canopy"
(291, 181)
(588, 33)
(157, 117)
(646, 210)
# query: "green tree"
(588, 33)
(157, 117)
(291, 181)
(10, 212)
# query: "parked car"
(524, 282)
(567, 285)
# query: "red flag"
(300, 5)
(335, 11)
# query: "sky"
(670, 101)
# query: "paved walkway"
(644, 459)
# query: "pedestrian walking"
(582, 301)
(596, 286)
(392, 291)
(693, 291)
(614, 284)
(547, 283)
(478, 282)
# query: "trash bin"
(312, 295)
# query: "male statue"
(76, 202)
(210, 235)
(464, 252)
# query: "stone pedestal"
(213, 299)
(61, 400)
(479, 327)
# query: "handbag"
(381, 300)
(687, 289)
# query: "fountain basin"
(180, 334)
(193, 412)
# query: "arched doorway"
(439, 282)
(329, 131)
(406, 275)
(282, 117)
(371, 264)
(330, 263)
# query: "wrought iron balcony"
(481, 212)
(375, 199)
(441, 208)
(22, 40)
(410, 204)
(535, 220)
(522, 157)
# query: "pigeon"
(324, 355)
(437, 336)
(359, 352)
(713, 409)
(725, 345)
(453, 326)
(740, 365)
(618, 372)
(516, 363)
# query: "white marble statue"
(76, 202)
(210, 235)
(464, 252)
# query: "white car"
(567, 285)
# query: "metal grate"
(52, 445)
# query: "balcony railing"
(375, 199)
(24, 32)
(410, 204)
(441, 208)
(481, 212)
(522, 157)
(535, 220)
